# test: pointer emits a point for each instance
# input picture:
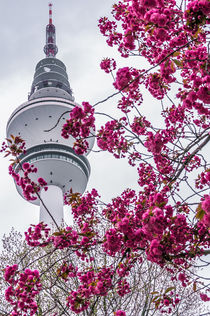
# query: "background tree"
(150, 285)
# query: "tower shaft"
(51, 206)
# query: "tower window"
(59, 85)
(47, 69)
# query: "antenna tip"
(50, 12)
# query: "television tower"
(56, 161)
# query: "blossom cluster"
(110, 137)
(37, 235)
(80, 126)
(14, 146)
(91, 284)
(108, 64)
(206, 208)
(22, 171)
(28, 186)
(23, 289)
(128, 81)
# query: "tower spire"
(50, 48)
(50, 13)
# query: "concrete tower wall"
(52, 200)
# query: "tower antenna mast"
(50, 13)
(50, 48)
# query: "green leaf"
(9, 140)
(176, 53)
(200, 212)
(7, 154)
(178, 62)
(57, 234)
(157, 303)
(172, 66)
(156, 298)
(169, 289)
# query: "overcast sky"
(81, 48)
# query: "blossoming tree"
(147, 287)
(167, 219)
